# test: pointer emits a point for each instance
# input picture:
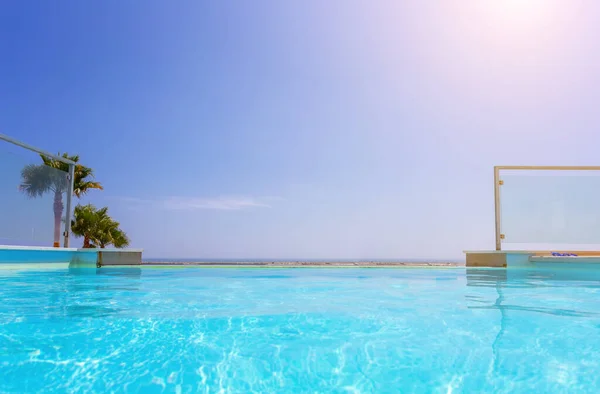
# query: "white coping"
(26, 266)
(50, 248)
(19, 247)
(501, 251)
(550, 258)
(115, 250)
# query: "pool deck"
(505, 258)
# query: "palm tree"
(86, 218)
(51, 177)
(97, 228)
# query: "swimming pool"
(300, 330)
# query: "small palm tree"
(85, 220)
(97, 228)
(51, 177)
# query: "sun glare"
(522, 5)
(519, 11)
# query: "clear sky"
(303, 129)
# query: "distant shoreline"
(307, 263)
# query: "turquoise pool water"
(300, 330)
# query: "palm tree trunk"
(86, 241)
(58, 211)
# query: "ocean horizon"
(294, 259)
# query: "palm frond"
(82, 183)
(120, 239)
(36, 180)
(81, 188)
(82, 175)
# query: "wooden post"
(497, 207)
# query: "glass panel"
(33, 198)
(551, 207)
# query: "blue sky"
(351, 129)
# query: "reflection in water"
(529, 293)
(97, 297)
(497, 279)
(129, 272)
(530, 278)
